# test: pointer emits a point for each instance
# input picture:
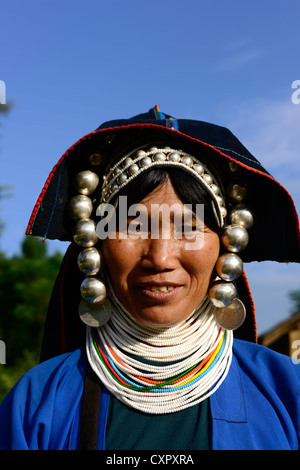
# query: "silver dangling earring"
(230, 311)
(94, 308)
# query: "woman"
(161, 214)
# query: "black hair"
(185, 185)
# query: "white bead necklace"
(126, 344)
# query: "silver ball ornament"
(240, 215)
(122, 178)
(219, 200)
(159, 157)
(222, 293)
(80, 207)
(116, 172)
(187, 160)
(128, 161)
(208, 178)
(113, 188)
(133, 169)
(199, 168)
(174, 157)
(90, 261)
(93, 290)
(86, 182)
(235, 238)
(84, 233)
(223, 211)
(229, 266)
(215, 189)
(145, 161)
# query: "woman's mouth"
(159, 292)
(161, 288)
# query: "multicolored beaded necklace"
(160, 370)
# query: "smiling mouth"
(155, 291)
(161, 288)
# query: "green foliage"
(26, 284)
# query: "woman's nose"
(161, 254)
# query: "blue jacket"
(256, 407)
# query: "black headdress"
(274, 236)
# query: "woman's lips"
(161, 288)
(159, 292)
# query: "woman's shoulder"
(260, 361)
(52, 374)
(258, 351)
(39, 411)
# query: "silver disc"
(94, 314)
(232, 316)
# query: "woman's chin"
(159, 319)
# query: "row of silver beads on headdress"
(230, 311)
(94, 308)
(134, 163)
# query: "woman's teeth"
(161, 288)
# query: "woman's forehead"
(163, 192)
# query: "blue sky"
(70, 65)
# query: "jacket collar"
(228, 402)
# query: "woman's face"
(158, 278)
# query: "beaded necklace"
(189, 360)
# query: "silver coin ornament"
(235, 238)
(229, 267)
(80, 207)
(86, 182)
(94, 315)
(222, 293)
(93, 290)
(84, 233)
(232, 316)
(90, 261)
